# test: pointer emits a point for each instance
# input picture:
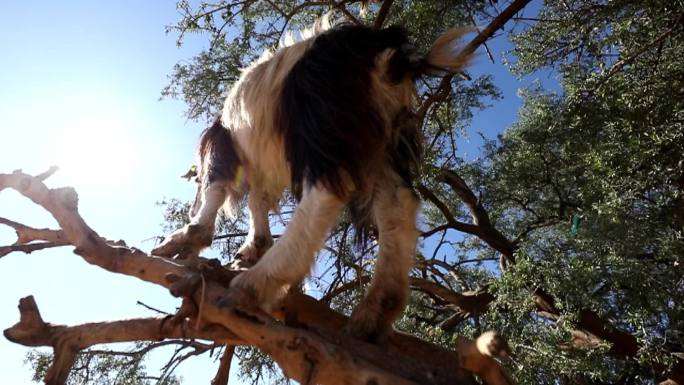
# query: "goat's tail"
(446, 53)
(220, 161)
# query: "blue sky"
(79, 88)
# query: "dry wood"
(307, 345)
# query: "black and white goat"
(331, 118)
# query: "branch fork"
(313, 352)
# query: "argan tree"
(565, 235)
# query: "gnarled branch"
(316, 354)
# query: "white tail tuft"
(446, 52)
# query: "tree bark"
(307, 346)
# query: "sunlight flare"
(96, 151)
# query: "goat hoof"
(241, 262)
(168, 248)
(259, 289)
(368, 328)
(238, 297)
(241, 303)
(492, 344)
(251, 252)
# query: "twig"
(151, 308)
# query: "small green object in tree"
(576, 219)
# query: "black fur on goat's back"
(218, 154)
(328, 120)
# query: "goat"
(330, 117)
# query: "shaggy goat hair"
(331, 117)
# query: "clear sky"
(79, 88)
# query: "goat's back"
(338, 102)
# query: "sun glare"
(96, 152)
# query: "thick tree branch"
(67, 341)
(223, 372)
(382, 13)
(307, 356)
(485, 230)
(471, 303)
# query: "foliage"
(602, 151)
(101, 368)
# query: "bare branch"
(382, 13)
(444, 87)
(302, 354)
(451, 221)
(485, 230)
(67, 341)
(146, 306)
(26, 234)
(470, 302)
(47, 174)
(221, 377)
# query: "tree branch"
(67, 341)
(221, 377)
(303, 354)
(471, 303)
(497, 23)
(442, 207)
(486, 231)
(382, 13)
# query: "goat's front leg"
(189, 240)
(289, 260)
(259, 238)
(394, 212)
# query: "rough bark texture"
(306, 343)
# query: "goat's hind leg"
(394, 211)
(189, 240)
(219, 178)
(259, 238)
